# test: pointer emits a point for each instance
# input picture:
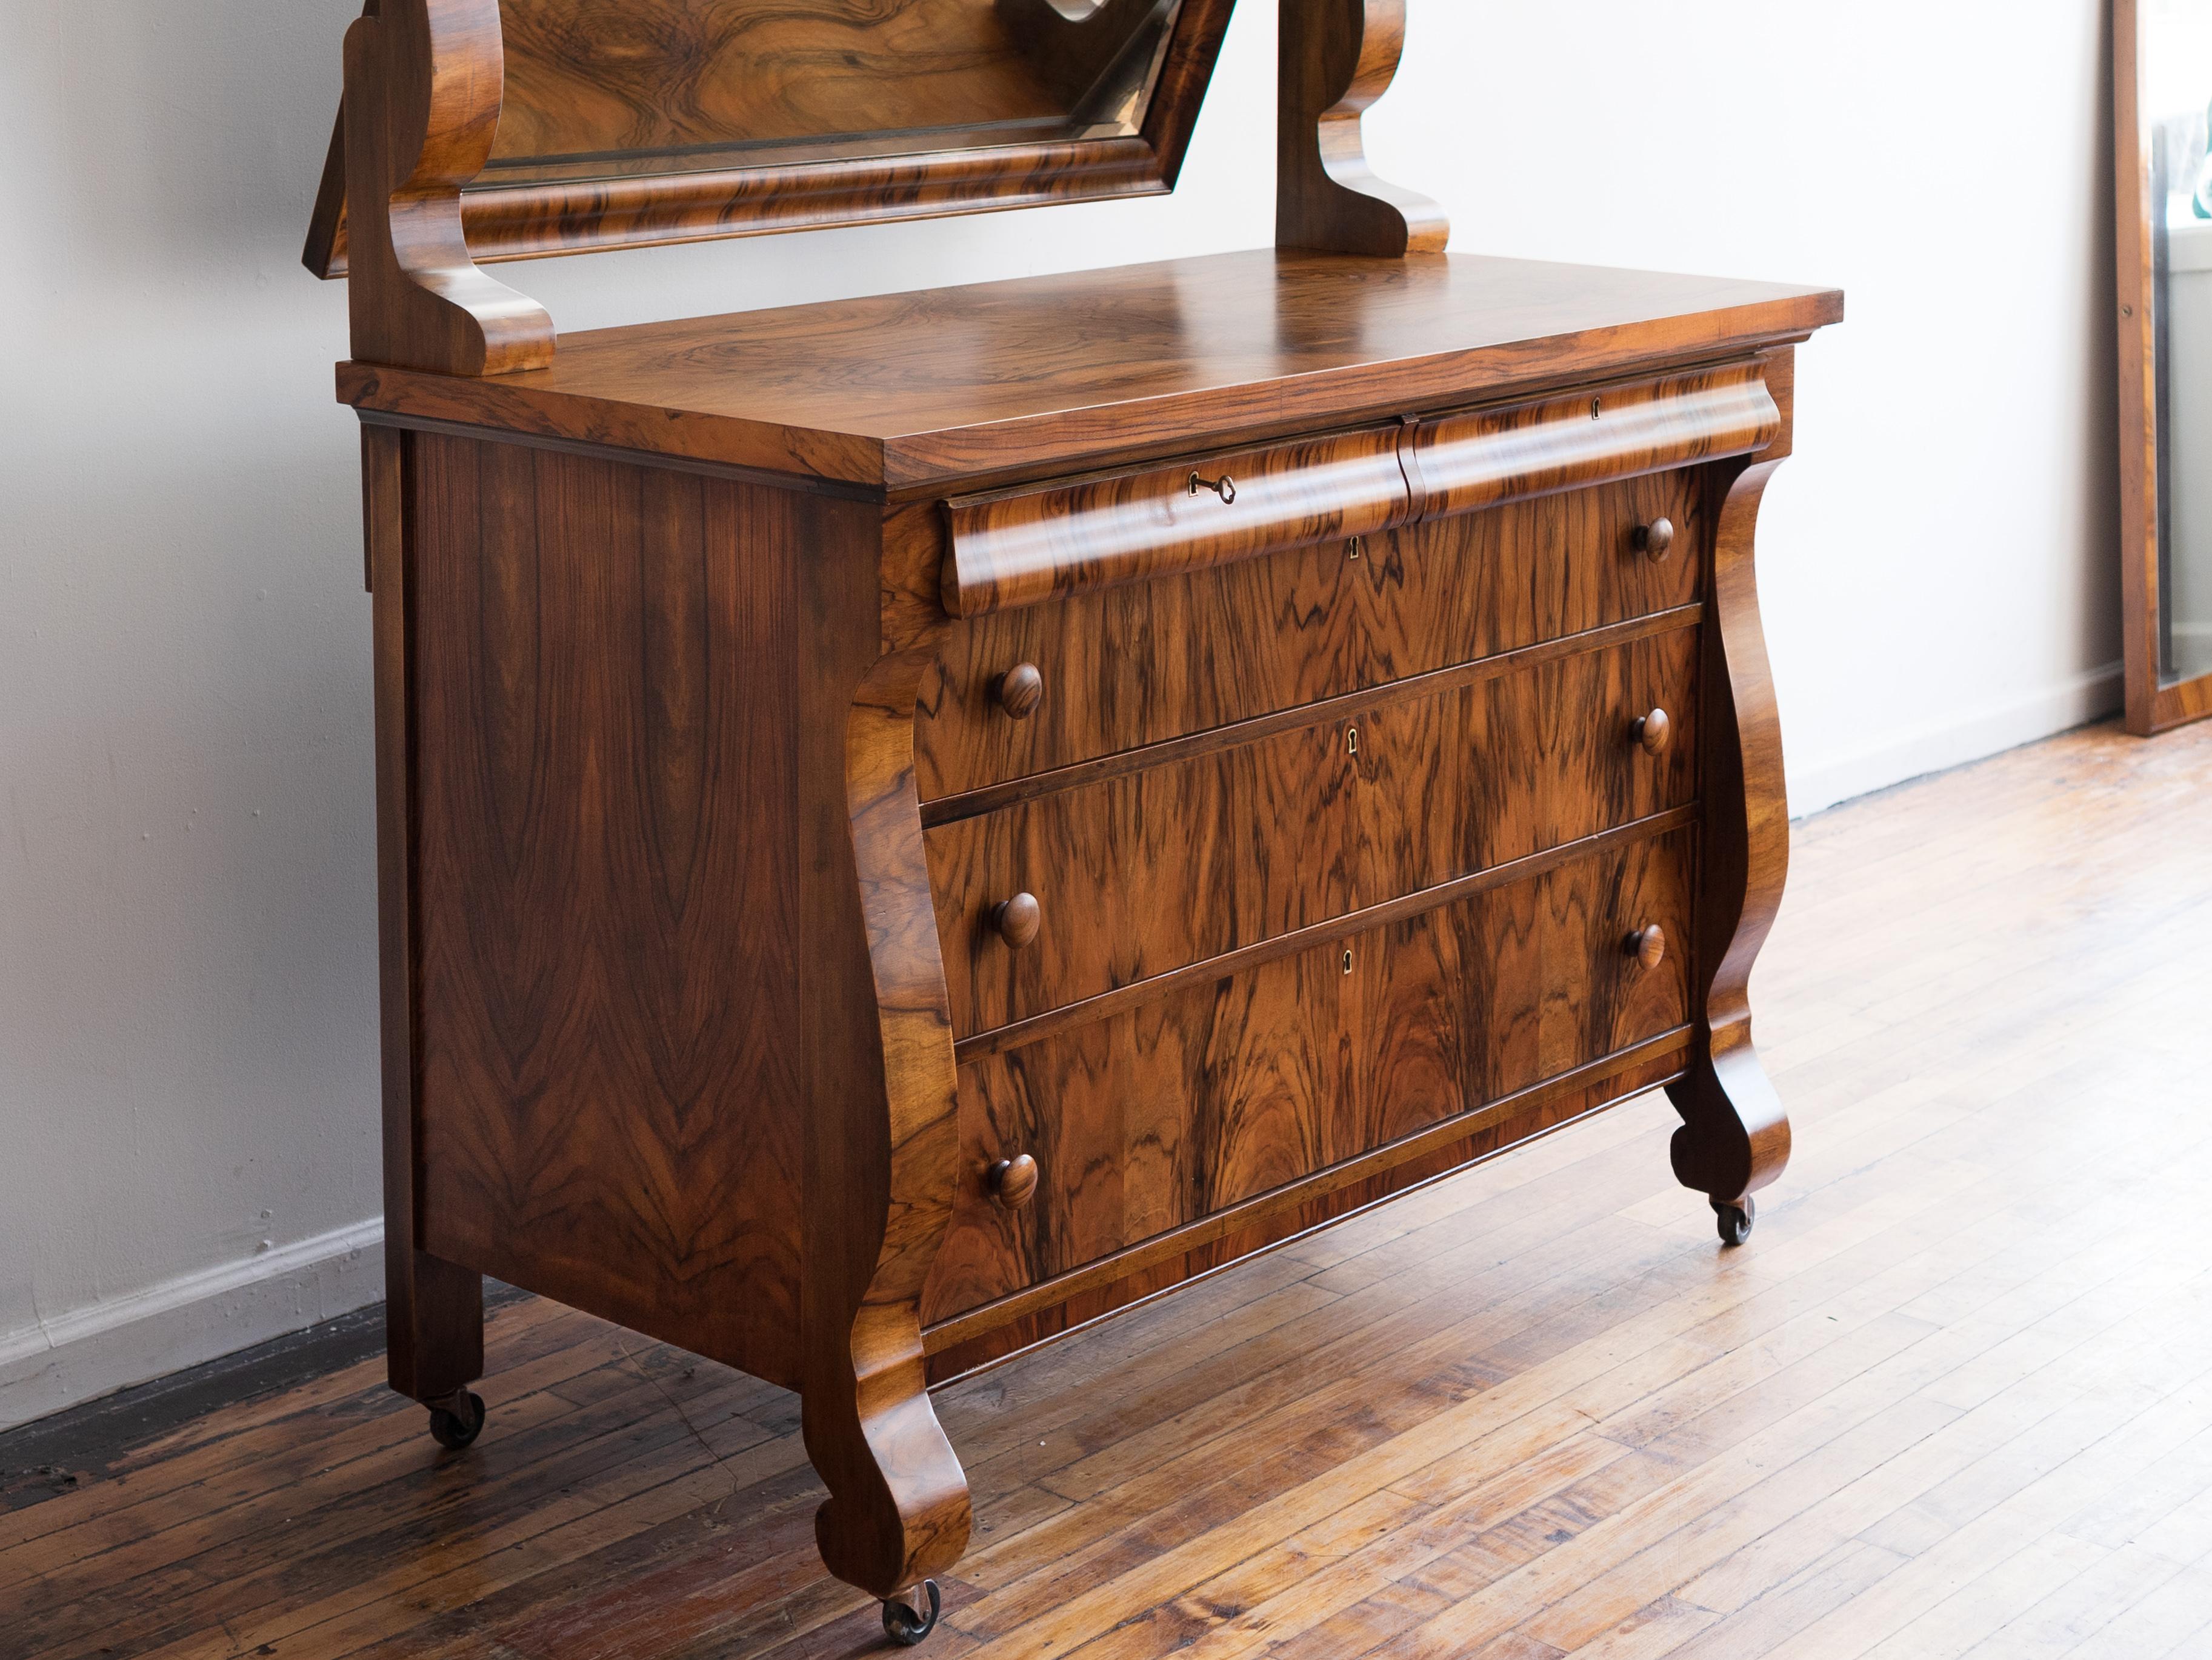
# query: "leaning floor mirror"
(2162, 70)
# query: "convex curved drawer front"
(1030, 689)
(1018, 548)
(1082, 890)
(1184, 1106)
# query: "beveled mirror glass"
(2163, 64)
(630, 122)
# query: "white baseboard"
(87, 1352)
(1956, 739)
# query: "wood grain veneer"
(1012, 549)
(1148, 663)
(672, 122)
(1336, 58)
(1193, 1105)
(1051, 375)
(1303, 826)
(606, 888)
(1481, 457)
(907, 824)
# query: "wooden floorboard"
(1955, 1399)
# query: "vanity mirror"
(911, 824)
(627, 123)
(2162, 64)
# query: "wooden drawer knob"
(1648, 946)
(1018, 919)
(1019, 690)
(1656, 539)
(1012, 1182)
(1653, 732)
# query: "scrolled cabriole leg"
(882, 1164)
(1734, 1137)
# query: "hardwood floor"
(1954, 1398)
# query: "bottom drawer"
(1171, 1112)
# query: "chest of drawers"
(859, 922)
(908, 825)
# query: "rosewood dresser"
(909, 824)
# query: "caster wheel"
(906, 1626)
(1735, 1220)
(457, 1420)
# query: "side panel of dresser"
(659, 954)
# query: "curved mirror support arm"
(423, 82)
(1339, 56)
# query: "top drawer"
(1137, 665)
(1017, 547)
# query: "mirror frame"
(2152, 706)
(538, 220)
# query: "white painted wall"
(188, 1096)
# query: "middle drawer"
(1080, 892)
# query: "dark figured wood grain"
(658, 122)
(1010, 550)
(1304, 878)
(1335, 58)
(1300, 828)
(1200, 1102)
(1485, 456)
(606, 734)
(1021, 1034)
(1055, 374)
(978, 1339)
(433, 1309)
(1734, 1137)
(883, 1136)
(422, 87)
(1156, 661)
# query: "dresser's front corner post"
(882, 1165)
(424, 80)
(1336, 58)
(433, 1308)
(1734, 1137)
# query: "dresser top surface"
(903, 392)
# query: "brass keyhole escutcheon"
(1597, 409)
(1351, 548)
(1347, 961)
(1352, 740)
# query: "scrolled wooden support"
(424, 80)
(898, 1509)
(1338, 56)
(1734, 1137)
